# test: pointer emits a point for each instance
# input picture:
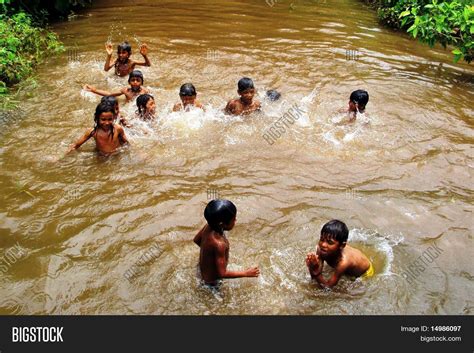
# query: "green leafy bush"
(431, 21)
(23, 46)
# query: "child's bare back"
(214, 254)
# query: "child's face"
(123, 55)
(135, 83)
(188, 100)
(150, 106)
(247, 95)
(106, 120)
(328, 246)
(355, 107)
(230, 225)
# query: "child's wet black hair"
(219, 212)
(337, 230)
(103, 107)
(187, 89)
(142, 100)
(360, 97)
(125, 46)
(245, 83)
(135, 73)
(273, 95)
(112, 100)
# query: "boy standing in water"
(333, 249)
(245, 105)
(214, 256)
(187, 93)
(135, 79)
(123, 64)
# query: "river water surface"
(400, 177)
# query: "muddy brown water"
(401, 177)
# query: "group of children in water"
(109, 135)
(146, 107)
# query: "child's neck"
(248, 104)
(333, 260)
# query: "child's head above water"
(124, 50)
(104, 117)
(246, 89)
(146, 104)
(273, 95)
(334, 235)
(358, 100)
(220, 215)
(187, 93)
(112, 100)
(135, 79)
(244, 84)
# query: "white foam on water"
(383, 244)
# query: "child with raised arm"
(108, 136)
(123, 64)
(135, 79)
(214, 256)
(333, 249)
(245, 105)
(188, 94)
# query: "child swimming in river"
(333, 249)
(146, 107)
(123, 64)
(108, 136)
(214, 255)
(135, 79)
(357, 102)
(188, 94)
(245, 105)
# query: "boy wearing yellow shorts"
(333, 249)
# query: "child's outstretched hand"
(253, 272)
(144, 49)
(313, 262)
(89, 88)
(109, 48)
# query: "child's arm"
(108, 65)
(221, 263)
(177, 107)
(230, 107)
(87, 135)
(144, 52)
(122, 136)
(315, 265)
(198, 238)
(100, 92)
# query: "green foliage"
(42, 10)
(431, 21)
(23, 46)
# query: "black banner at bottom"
(235, 333)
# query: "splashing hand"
(144, 49)
(109, 48)
(253, 272)
(314, 263)
(89, 88)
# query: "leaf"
(457, 52)
(404, 13)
